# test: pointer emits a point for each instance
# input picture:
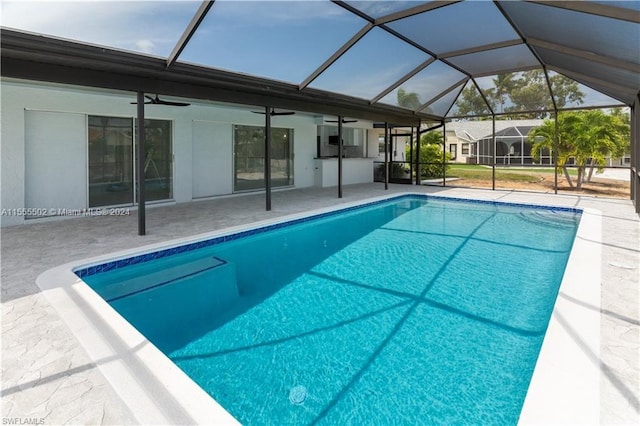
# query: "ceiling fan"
(274, 112)
(343, 121)
(158, 101)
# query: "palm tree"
(586, 136)
(604, 135)
(544, 136)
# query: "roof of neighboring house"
(473, 130)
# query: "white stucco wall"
(201, 132)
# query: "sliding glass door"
(249, 158)
(158, 174)
(110, 161)
(112, 168)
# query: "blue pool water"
(415, 310)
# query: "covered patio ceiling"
(399, 61)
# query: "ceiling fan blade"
(273, 112)
(343, 121)
(146, 103)
(180, 104)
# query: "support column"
(493, 138)
(555, 152)
(340, 153)
(444, 154)
(267, 157)
(418, 178)
(142, 220)
(635, 153)
(410, 153)
(386, 155)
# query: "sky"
(280, 40)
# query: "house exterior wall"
(454, 141)
(44, 145)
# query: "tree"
(431, 150)
(504, 86)
(470, 102)
(409, 100)
(587, 137)
(604, 135)
(524, 91)
(531, 93)
(565, 91)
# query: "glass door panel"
(158, 173)
(110, 161)
(249, 158)
(281, 157)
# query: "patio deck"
(46, 374)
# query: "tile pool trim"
(146, 257)
(157, 391)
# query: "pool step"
(150, 280)
(170, 301)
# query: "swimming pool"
(389, 318)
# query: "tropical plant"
(431, 155)
(587, 137)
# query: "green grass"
(483, 173)
(519, 174)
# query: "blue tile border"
(121, 263)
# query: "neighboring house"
(463, 136)
(512, 146)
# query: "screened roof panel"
(281, 40)
(373, 64)
(456, 27)
(470, 102)
(292, 40)
(583, 66)
(442, 105)
(149, 27)
(496, 60)
(423, 86)
(577, 30)
(377, 9)
(625, 4)
(588, 96)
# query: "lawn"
(530, 178)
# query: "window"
(112, 172)
(249, 158)
(453, 150)
(465, 149)
(352, 142)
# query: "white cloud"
(147, 26)
(145, 46)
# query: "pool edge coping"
(178, 395)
